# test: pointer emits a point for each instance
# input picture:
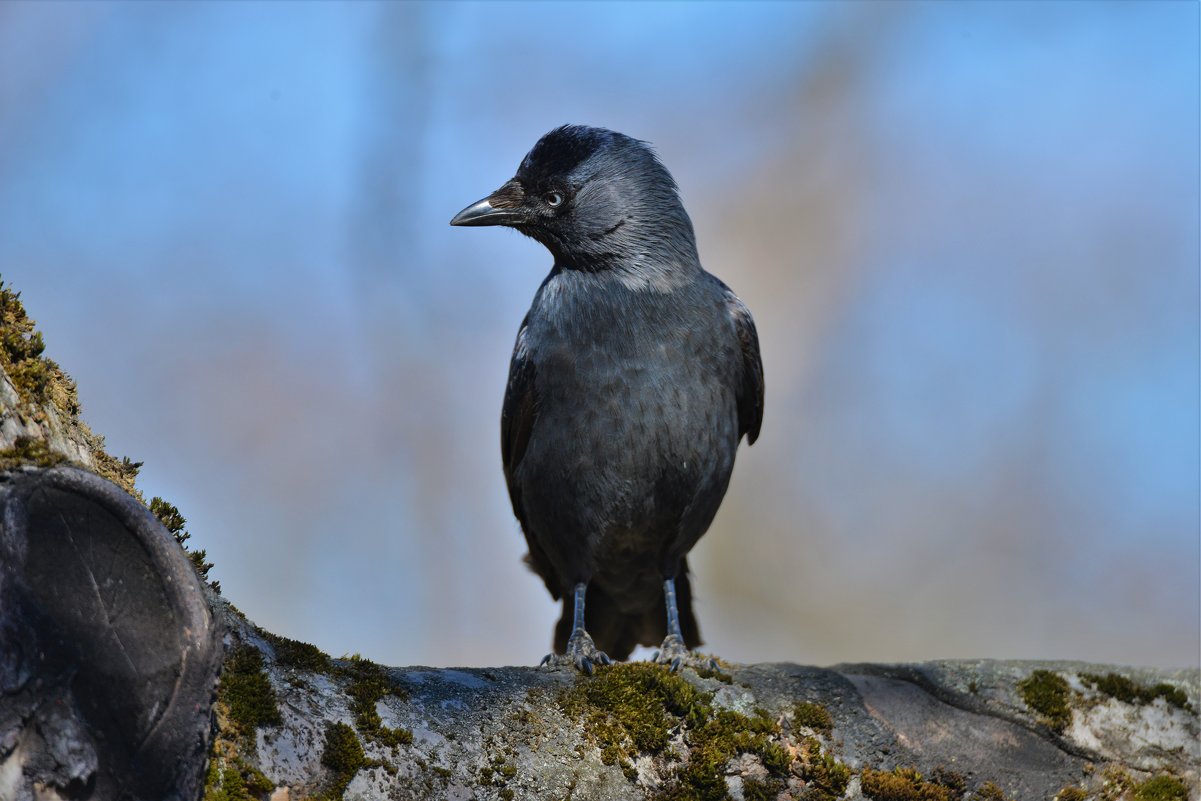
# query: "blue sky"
(969, 234)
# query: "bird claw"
(676, 656)
(582, 654)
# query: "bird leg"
(673, 651)
(582, 652)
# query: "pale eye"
(553, 199)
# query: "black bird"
(634, 377)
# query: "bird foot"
(676, 656)
(582, 654)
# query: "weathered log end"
(109, 653)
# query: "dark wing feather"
(517, 418)
(519, 410)
(750, 389)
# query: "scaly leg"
(673, 651)
(582, 652)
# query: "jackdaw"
(634, 377)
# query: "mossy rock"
(1048, 694)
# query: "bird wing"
(750, 389)
(517, 417)
(519, 410)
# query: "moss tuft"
(902, 784)
(37, 379)
(368, 684)
(716, 737)
(989, 792)
(756, 790)
(235, 781)
(825, 777)
(123, 472)
(174, 522)
(1161, 788)
(1118, 784)
(1071, 793)
(954, 781)
(43, 389)
(717, 672)
(29, 451)
(246, 691)
(296, 654)
(813, 716)
(632, 709)
(1129, 691)
(1047, 693)
(342, 754)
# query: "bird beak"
(505, 206)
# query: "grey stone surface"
(499, 733)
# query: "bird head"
(596, 199)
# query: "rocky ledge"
(112, 645)
(938, 731)
(112, 642)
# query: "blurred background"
(968, 232)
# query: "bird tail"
(617, 633)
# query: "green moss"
(720, 736)
(716, 673)
(1126, 689)
(907, 784)
(902, 784)
(1161, 788)
(368, 684)
(952, 780)
(1071, 793)
(812, 716)
(1118, 784)
(825, 777)
(989, 792)
(29, 451)
(257, 784)
(1047, 693)
(37, 379)
(224, 783)
(756, 790)
(174, 522)
(342, 754)
(247, 693)
(297, 655)
(633, 709)
(123, 472)
(41, 385)
(238, 781)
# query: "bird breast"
(636, 399)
